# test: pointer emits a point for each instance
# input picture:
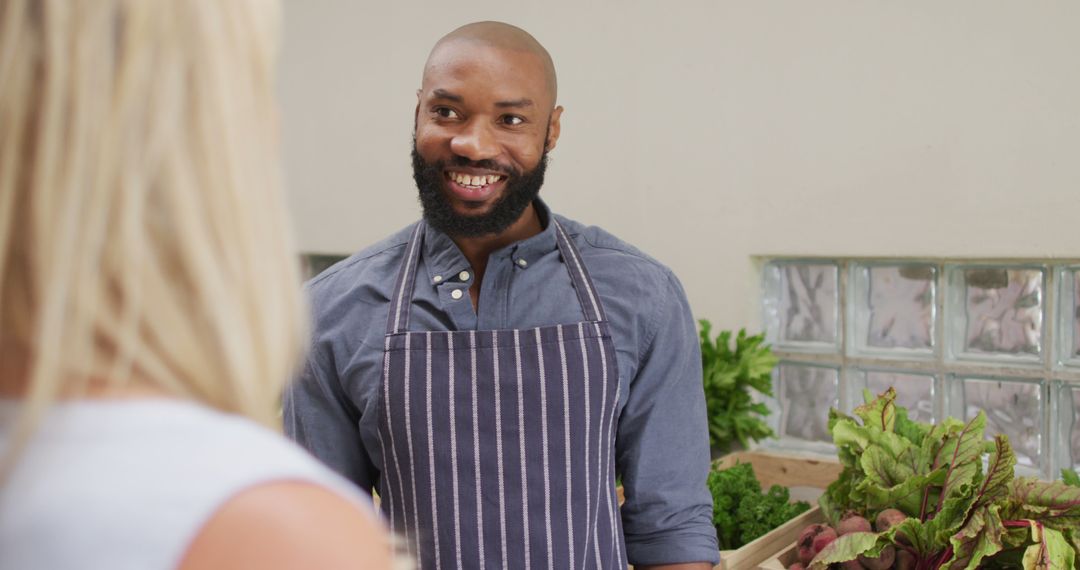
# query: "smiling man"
(491, 369)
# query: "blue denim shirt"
(662, 443)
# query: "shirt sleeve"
(319, 416)
(662, 446)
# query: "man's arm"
(663, 444)
(319, 416)
(686, 566)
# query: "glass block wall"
(953, 338)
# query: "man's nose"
(475, 141)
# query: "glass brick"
(1014, 407)
(804, 394)
(1069, 322)
(915, 391)
(1075, 315)
(801, 305)
(1067, 445)
(894, 309)
(997, 312)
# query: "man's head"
(485, 121)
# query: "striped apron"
(498, 446)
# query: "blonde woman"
(149, 302)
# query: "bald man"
(493, 368)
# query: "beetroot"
(904, 560)
(823, 539)
(797, 566)
(883, 562)
(853, 523)
(851, 565)
(812, 540)
(887, 519)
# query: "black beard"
(521, 190)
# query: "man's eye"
(512, 120)
(446, 112)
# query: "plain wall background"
(711, 132)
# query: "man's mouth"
(474, 182)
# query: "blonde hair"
(143, 235)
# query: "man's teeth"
(466, 180)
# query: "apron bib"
(498, 446)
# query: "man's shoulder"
(637, 290)
(362, 273)
(600, 244)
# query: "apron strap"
(397, 320)
(586, 292)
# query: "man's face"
(484, 123)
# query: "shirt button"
(456, 294)
(437, 279)
(464, 275)
(523, 263)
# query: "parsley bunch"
(741, 511)
(730, 376)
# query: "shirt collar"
(445, 261)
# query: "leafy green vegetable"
(741, 511)
(729, 377)
(965, 507)
(849, 547)
(1070, 477)
(1049, 549)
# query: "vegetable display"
(730, 376)
(941, 496)
(741, 511)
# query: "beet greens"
(960, 515)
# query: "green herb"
(1070, 477)
(729, 376)
(741, 512)
(960, 514)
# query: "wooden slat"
(775, 550)
(787, 557)
(767, 546)
(789, 471)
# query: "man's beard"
(520, 191)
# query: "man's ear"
(416, 113)
(554, 127)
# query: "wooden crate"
(765, 549)
(781, 560)
(787, 470)
(807, 477)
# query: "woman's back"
(117, 484)
(145, 251)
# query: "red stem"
(945, 556)
(926, 492)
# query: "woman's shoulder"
(158, 471)
(285, 525)
(194, 445)
(220, 454)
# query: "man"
(490, 370)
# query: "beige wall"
(709, 132)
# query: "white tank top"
(121, 485)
